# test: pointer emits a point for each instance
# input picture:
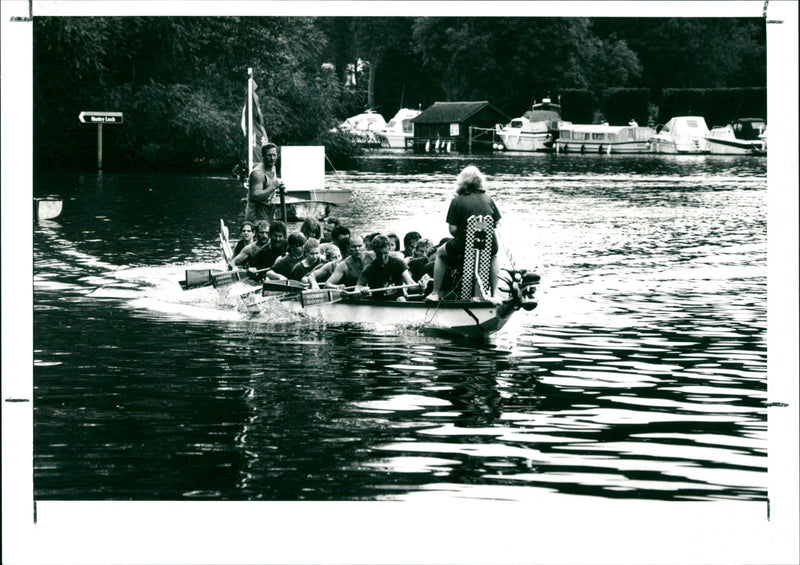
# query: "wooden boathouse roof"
(452, 112)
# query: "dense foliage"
(181, 82)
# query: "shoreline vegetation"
(181, 81)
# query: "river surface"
(642, 373)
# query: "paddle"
(230, 277)
(331, 296)
(196, 278)
(283, 285)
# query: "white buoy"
(427, 146)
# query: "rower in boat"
(347, 272)
(311, 260)
(332, 257)
(386, 271)
(270, 244)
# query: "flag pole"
(249, 120)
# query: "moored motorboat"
(535, 130)
(399, 131)
(745, 136)
(364, 127)
(603, 138)
(682, 134)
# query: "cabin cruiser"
(603, 138)
(397, 133)
(745, 136)
(535, 130)
(364, 127)
(683, 134)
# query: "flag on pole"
(259, 131)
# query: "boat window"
(565, 134)
(692, 123)
(516, 123)
(598, 136)
(407, 126)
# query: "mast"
(249, 120)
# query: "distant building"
(445, 126)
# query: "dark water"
(641, 375)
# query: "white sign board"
(303, 167)
(454, 130)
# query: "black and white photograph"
(400, 282)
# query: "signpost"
(100, 118)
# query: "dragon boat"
(466, 309)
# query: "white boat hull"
(696, 146)
(525, 141)
(47, 208)
(623, 147)
(331, 196)
(723, 141)
(459, 318)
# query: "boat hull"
(47, 208)
(454, 318)
(622, 147)
(331, 196)
(721, 146)
(522, 141)
(688, 147)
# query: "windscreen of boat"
(542, 115)
(749, 129)
(516, 124)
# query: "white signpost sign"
(100, 118)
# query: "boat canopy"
(686, 125)
(748, 128)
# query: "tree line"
(181, 81)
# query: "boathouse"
(456, 126)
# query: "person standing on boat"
(470, 200)
(386, 270)
(262, 185)
(347, 272)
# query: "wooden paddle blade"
(285, 285)
(226, 278)
(321, 296)
(196, 278)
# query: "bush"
(622, 104)
(341, 149)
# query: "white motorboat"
(745, 136)
(399, 131)
(535, 130)
(682, 134)
(603, 138)
(364, 127)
